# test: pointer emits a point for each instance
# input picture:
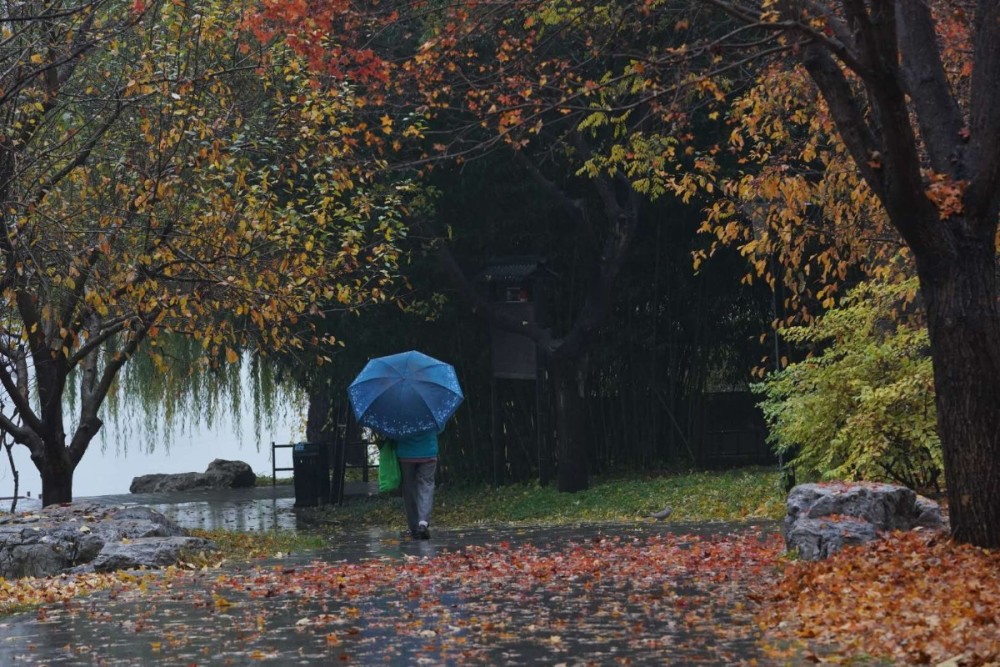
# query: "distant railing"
(274, 461)
(344, 455)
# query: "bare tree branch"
(938, 112)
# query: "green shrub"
(862, 406)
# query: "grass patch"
(238, 546)
(732, 495)
(265, 480)
(350, 475)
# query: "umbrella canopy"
(403, 394)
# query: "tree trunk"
(14, 472)
(320, 418)
(961, 295)
(571, 449)
(57, 479)
(542, 428)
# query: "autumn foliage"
(857, 132)
(914, 598)
(160, 173)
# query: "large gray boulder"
(822, 519)
(221, 474)
(815, 539)
(86, 537)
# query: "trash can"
(310, 474)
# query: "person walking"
(418, 454)
(409, 397)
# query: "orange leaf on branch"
(946, 193)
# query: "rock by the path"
(86, 537)
(141, 552)
(816, 539)
(220, 474)
(822, 519)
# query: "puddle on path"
(261, 508)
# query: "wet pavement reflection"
(259, 508)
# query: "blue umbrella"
(403, 394)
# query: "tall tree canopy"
(907, 95)
(912, 90)
(455, 82)
(160, 174)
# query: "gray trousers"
(418, 491)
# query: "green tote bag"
(389, 476)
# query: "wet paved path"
(575, 595)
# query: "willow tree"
(162, 175)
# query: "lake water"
(111, 463)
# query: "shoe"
(422, 533)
